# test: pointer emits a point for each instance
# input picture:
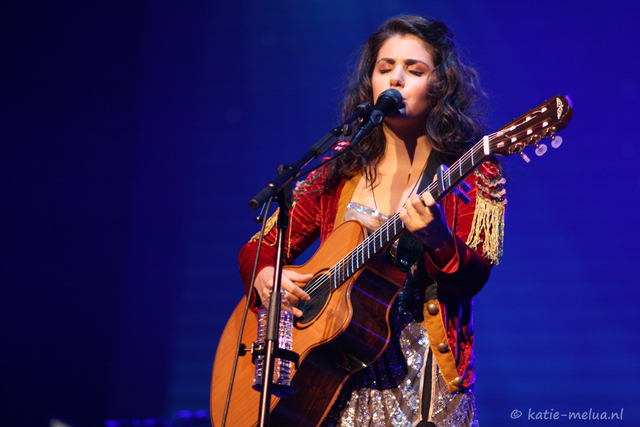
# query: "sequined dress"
(392, 391)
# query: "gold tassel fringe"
(488, 218)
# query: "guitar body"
(349, 333)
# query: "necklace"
(375, 202)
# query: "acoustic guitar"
(344, 328)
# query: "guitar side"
(244, 399)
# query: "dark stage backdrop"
(133, 135)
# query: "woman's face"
(404, 63)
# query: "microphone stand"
(273, 314)
(281, 189)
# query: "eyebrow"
(410, 61)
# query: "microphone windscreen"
(388, 102)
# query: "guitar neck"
(393, 227)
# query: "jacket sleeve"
(478, 232)
(304, 228)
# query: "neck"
(398, 171)
(406, 144)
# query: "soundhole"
(319, 290)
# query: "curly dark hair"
(458, 104)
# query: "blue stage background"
(134, 134)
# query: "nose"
(396, 78)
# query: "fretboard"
(393, 227)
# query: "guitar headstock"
(541, 122)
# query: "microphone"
(388, 102)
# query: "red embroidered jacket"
(314, 213)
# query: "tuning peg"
(556, 141)
(525, 157)
(541, 149)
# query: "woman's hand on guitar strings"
(424, 218)
(294, 293)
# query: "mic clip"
(354, 122)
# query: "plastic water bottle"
(282, 367)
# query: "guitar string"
(366, 244)
(325, 279)
(359, 251)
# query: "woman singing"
(425, 376)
